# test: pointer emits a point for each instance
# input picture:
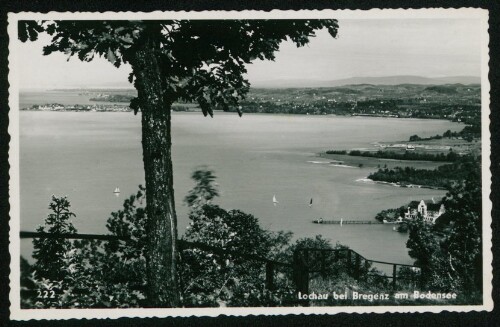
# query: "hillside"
(455, 102)
(384, 80)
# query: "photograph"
(212, 163)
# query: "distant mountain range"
(304, 83)
(385, 80)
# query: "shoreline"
(377, 163)
(103, 103)
(397, 184)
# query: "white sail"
(274, 200)
(340, 222)
(117, 190)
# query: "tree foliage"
(391, 214)
(89, 273)
(407, 155)
(210, 279)
(200, 60)
(205, 189)
(463, 242)
(445, 176)
(231, 279)
(422, 245)
(50, 253)
(450, 251)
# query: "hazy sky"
(424, 47)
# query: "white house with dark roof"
(429, 210)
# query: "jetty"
(350, 222)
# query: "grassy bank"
(369, 162)
(442, 177)
(405, 155)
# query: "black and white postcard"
(287, 162)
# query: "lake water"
(86, 155)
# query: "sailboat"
(311, 203)
(341, 222)
(275, 202)
(116, 191)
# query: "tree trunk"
(161, 225)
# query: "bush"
(50, 253)
(210, 279)
(87, 273)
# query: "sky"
(363, 48)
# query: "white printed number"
(50, 294)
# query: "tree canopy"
(201, 61)
(449, 252)
(204, 190)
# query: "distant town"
(455, 102)
(78, 107)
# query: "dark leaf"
(134, 104)
(28, 29)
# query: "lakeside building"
(428, 210)
(78, 107)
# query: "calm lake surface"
(86, 155)
(66, 97)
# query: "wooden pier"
(350, 222)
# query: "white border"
(26, 314)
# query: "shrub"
(210, 279)
(49, 252)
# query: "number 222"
(46, 294)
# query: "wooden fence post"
(349, 262)
(394, 272)
(301, 274)
(323, 270)
(357, 267)
(270, 275)
(305, 269)
(422, 279)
